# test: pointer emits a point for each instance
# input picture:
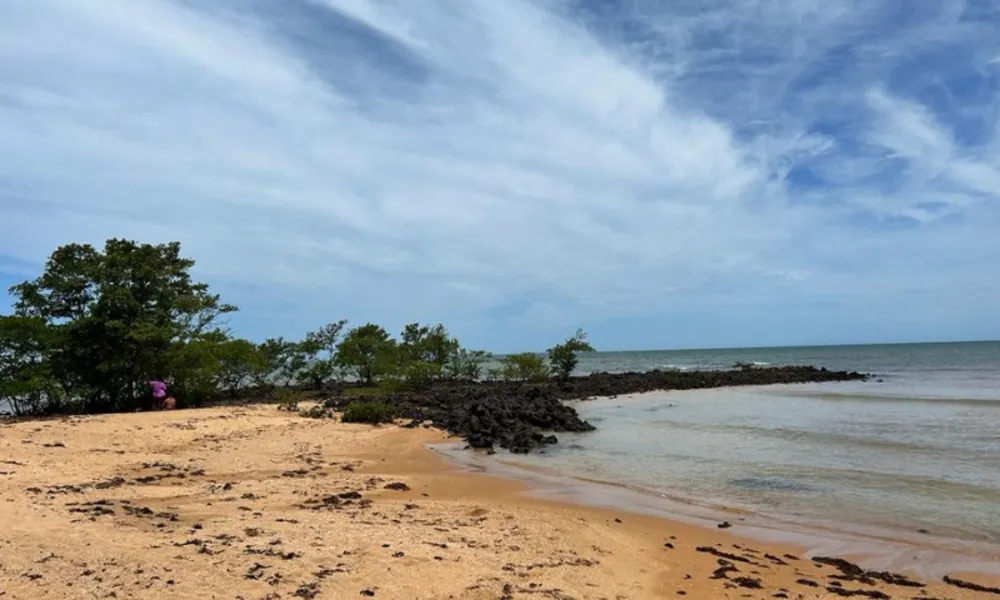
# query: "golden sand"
(256, 503)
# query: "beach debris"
(307, 590)
(852, 572)
(726, 555)
(256, 571)
(724, 525)
(840, 591)
(748, 582)
(968, 585)
(398, 486)
(725, 568)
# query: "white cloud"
(435, 160)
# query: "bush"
(316, 412)
(466, 365)
(563, 357)
(288, 399)
(416, 377)
(373, 413)
(525, 366)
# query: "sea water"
(917, 449)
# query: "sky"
(693, 173)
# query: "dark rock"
(852, 572)
(968, 585)
(748, 582)
(877, 595)
(724, 525)
(724, 555)
(398, 486)
(521, 417)
(307, 590)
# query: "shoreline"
(893, 550)
(253, 502)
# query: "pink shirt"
(159, 388)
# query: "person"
(161, 400)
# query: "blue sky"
(663, 174)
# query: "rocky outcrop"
(523, 416)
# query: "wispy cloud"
(519, 168)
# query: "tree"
(120, 316)
(467, 365)
(274, 358)
(526, 366)
(238, 362)
(320, 351)
(433, 345)
(563, 357)
(369, 352)
(26, 383)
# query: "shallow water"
(919, 450)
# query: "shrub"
(316, 412)
(418, 376)
(370, 412)
(288, 399)
(525, 366)
(466, 365)
(563, 357)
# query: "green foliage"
(271, 361)
(432, 345)
(414, 376)
(368, 411)
(466, 365)
(526, 366)
(115, 318)
(319, 350)
(369, 352)
(288, 399)
(27, 386)
(98, 324)
(239, 363)
(563, 357)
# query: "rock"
(521, 416)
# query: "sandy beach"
(256, 503)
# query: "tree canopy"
(97, 325)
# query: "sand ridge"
(255, 503)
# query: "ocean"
(913, 454)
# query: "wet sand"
(256, 503)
